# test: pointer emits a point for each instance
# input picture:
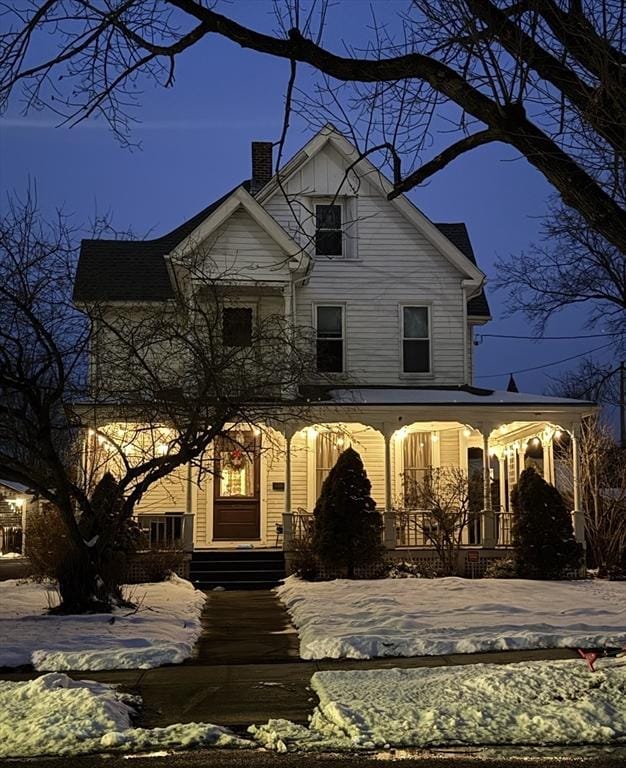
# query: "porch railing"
(171, 530)
(407, 528)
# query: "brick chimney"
(262, 170)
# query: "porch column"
(387, 434)
(578, 515)
(288, 436)
(489, 527)
(503, 469)
(389, 519)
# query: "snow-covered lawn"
(533, 703)
(162, 630)
(55, 715)
(432, 617)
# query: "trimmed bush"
(543, 536)
(348, 528)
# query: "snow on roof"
(17, 487)
(445, 396)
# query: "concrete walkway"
(248, 627)
(246, 668)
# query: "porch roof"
(385, 408)
(459, 395)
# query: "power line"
(545, 365)
(548, 338)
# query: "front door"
(236, 501)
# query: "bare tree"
(572, 265)
(602, 469)
(159, 386)
(543, 76)
(444, 495)
(590, 380)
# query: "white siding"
(166, 495)
(240, 248)
(394, 264)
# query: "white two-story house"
(392, 299)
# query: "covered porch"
(403, 434)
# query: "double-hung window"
(328, 447)
(237, 326)
(417, 461)
(415, 339)
(328, 230)
(329, 329)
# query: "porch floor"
(245, 627)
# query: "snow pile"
(533, 703)
(433, 617)
(55, 715)
(162, 630)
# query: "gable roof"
(363, 167)
(134, 270)
(457, 233)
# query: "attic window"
(237, 326)
(328, 230)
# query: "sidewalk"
(237, 695)
(246, 668)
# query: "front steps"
(237, 568)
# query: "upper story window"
(329, 328)
(329, 230)
(237, 326)
(415, 339)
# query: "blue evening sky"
(195, 140)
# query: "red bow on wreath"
(235, 458)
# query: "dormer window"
(328, 230)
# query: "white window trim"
(429, 374)
(344, 359)
(340, 202)
(435, 452)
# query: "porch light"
(536, 441)
(340, 442)
(467, 432)
(256, 431)
(558, 434)
(312, 432)
(434, 437)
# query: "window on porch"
(328, 447)
(417, 461)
